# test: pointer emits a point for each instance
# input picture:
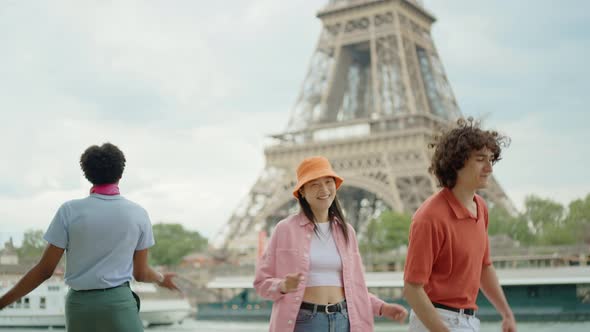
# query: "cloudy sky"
(189, 89)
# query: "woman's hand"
(291, 282)
(394, 312)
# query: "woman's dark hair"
(334, 214)
(103, 164)
(454, 147)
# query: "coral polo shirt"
(448, 249)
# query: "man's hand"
(508, 324)
(394, 312)
(291, 282)
(167, 281)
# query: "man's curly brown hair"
(103, 164)
(454, 147)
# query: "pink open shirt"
(288, 252)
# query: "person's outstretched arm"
(42, 271)
(144, 273)
(392, 311)
(491, 288)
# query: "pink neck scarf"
(105, 189)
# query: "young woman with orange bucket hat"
(312, 268)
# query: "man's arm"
(491, 288)
(143, 272)
(420, 303)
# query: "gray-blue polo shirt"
(100, 234)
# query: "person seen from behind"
(106, 239)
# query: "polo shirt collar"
(459, 210)
(106, 197)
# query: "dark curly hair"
(454, 146)
(103, 164)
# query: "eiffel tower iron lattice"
(374, 96)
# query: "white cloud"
(527, 79)
(543, 160)
(195, 177)
(161, 83)
(189, 91)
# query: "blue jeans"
(310, 321)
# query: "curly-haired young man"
(448, 256)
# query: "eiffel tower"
(374, 96)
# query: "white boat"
(45, 306)
(160, 306)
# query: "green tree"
(544, 222)
(547, 219)
(174, 242)
(578, 219)
(557, 235)
(32, 246)
(389, 231)
(502, 222)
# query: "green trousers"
(111, 310)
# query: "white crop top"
(325, 267)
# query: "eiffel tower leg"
(495, 196)
(266, 196)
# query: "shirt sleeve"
(423, 249)
(57, 232)
(266, 283)
(146, 237)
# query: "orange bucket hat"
(314, 168)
